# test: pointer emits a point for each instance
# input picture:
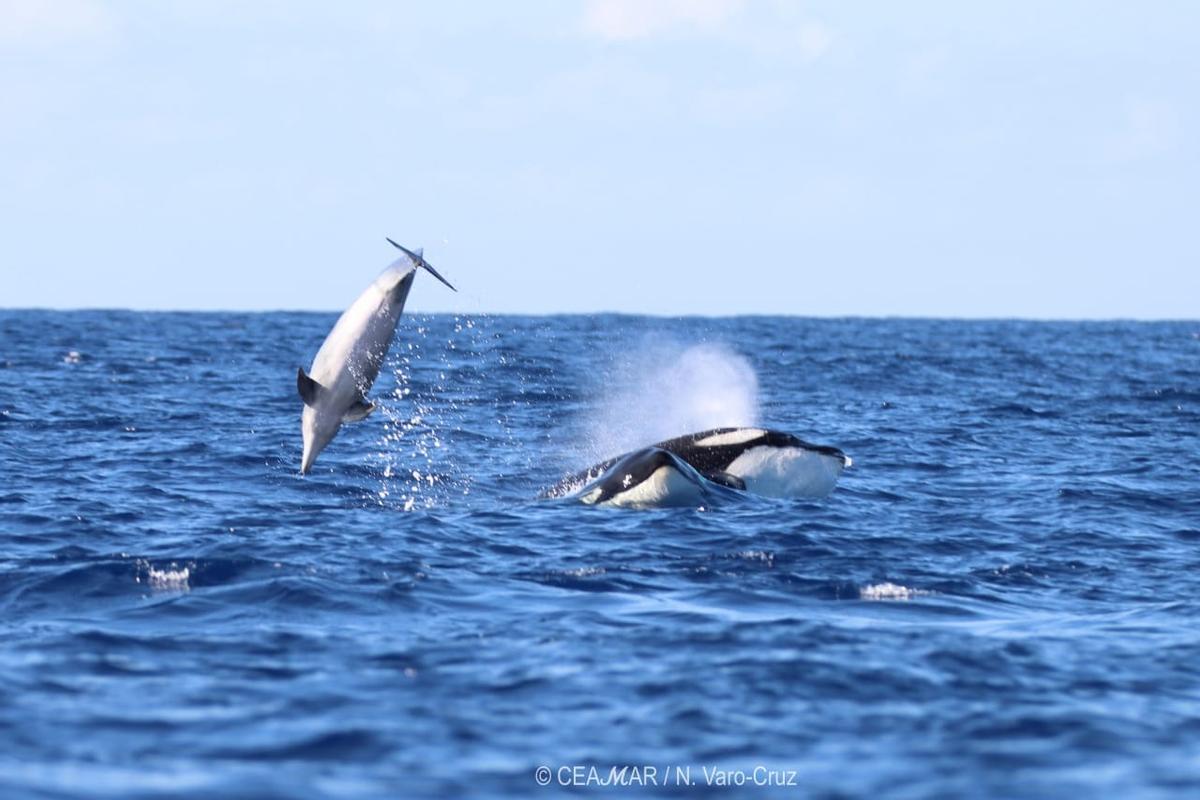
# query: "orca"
(651, 476)
(757, 460)
(770, 463)
(334, 390)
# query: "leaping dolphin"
(335, 389)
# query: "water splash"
(661, 390)
(423, 415)
(409, 456)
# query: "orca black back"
(710, 460)
(717, 457)
(632, 469)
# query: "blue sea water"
(999, 599)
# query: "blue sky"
(662, 156)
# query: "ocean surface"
(1000, 598)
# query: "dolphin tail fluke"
(419, 259)
(435, 274)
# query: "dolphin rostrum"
(335, 389)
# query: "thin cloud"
(1149, 128)
(37, 23)
(772, 30)
(623, 20)
(814, 40)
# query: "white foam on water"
(666, 389)
(889, 591)
(583, 572)
(170, 579)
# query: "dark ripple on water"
(998, 600)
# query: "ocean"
(999, 599)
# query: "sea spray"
(665, 389)
(444, 371)
(416, 470)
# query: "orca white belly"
(787, 471)
(666, 487)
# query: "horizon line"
(655, 315)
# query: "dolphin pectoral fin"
(726, 479)
(359, 411)
(308, 388)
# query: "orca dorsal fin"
(361, 409)
(308, 388)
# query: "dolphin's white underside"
(349, 359)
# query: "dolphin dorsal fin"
(308, 388)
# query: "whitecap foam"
(171, 579)
(889, 591)
(583, 572)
